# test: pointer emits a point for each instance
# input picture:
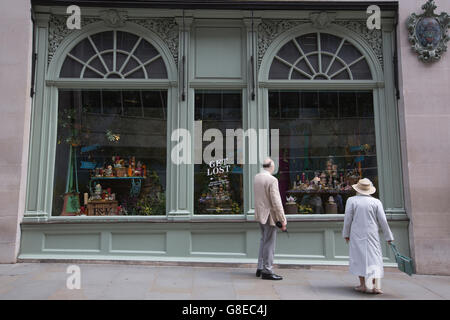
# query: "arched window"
(110, 156)
(319, 56)
(327, 139)
(114, 54)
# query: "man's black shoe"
(258, 273)
(273, 276)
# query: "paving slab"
(127, 281)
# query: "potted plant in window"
(70, 126)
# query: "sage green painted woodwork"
(385, 104)
(147, 243)
(225, 243)
(309, 241)
(215, 45)
(181, 235)
(57, 242)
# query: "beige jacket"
(268, 203)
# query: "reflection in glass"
(327, 143)
(111, 152)
(218, 184)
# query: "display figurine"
(98, 190)
(138, 170)
(109, 171)
(323, 178)
(331, 206)
(303, 177)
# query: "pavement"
(23, 281)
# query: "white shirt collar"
(265, 171)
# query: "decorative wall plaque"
(113, 18)
(322, 20)
(428, 33)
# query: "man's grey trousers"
(267, 247)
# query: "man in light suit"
(268, 211)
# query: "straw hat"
(364, 186)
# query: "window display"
(327, 143)
(111, 151)
(218, 183)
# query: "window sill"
(195, 219)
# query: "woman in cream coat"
(364, 214)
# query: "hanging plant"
(68, 119)
(112, 137)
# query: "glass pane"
(326, 59)
(108, 165)
(322, 156)
(70, 68)
(232, 106)
(289, 52)
(342, 76)
(361, 70)
(219, 183)
(365, 104)
(336, 66)
(347, 104)
(97, 64)
(310, 105)
(88, 73)
(92, 101)
(302, 65)
(349, 53)
(308, 42)
(329, 43)
(327, 105)
(132, 103)
(156, 69)
(112, 102)
(314, 61)
(154, 104)
(131, 64)
(120, 59)
(109, 60)
(298, 76)
(126, 41)
(83, 50)
(278, 70)
(289, 102)
(138, 74)
(145, 51)
(103, 40)
(274, 104)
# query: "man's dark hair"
(267, 165)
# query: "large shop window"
(111, 144)
(111, 152)
(327, 143)
(218, 181)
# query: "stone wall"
(15, 106)
(425, 125)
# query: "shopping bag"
(405, 264)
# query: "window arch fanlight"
(319, 56)
(114, 54)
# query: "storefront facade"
(110, 99)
